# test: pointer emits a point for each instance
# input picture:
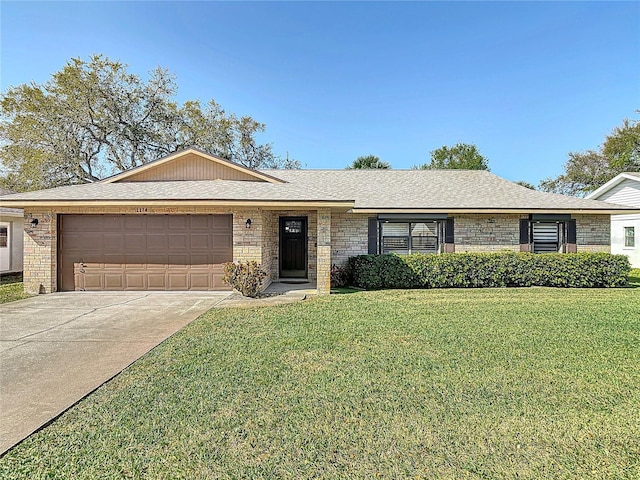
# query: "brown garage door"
(143, 252)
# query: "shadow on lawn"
(344, 290)
(8, 278)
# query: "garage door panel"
(86, 242)
(156, 242)
(110, 223)
(177, 222)
(131, 222)
(93, 280)
(199, 222)
(178, 261)
(217, 280)
(157, 259)
(113, 281)
(178, 241)
(135, 260)
(222, 241)
(199, 241)
(201, 281)
(178, 281)
(219, 257)
(112, 242)
(134, 242)
(156, 222)
(222, 222)
(157, 281)
(133, 280)
(201, 259)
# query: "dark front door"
(293, 247)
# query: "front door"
(293, 247)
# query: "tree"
(622, 147)
(369, 162)
(525, 184)
(93, 118)
(461, 156)
(586, 171)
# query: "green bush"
(245, 277)
(505, 269)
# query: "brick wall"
(487, 233)
(324, 251)
(349, 236)
(40, 252)
(593, 233)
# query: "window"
(293, 226)
(548, 233)
(410, 237)
(547, 237)
(4, 236)
(629, 237)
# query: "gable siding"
(190, 167)
(626, 192)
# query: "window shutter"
(373, 235)
(449, 236)
(571, 237)
(448, 231)
(524, 235)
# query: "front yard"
(11, 288)
(491, 383)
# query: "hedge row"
(456, 270)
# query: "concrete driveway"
(55, 349)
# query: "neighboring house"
(172, 223)
(625, 229)
(11, 233)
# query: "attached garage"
(143, 252)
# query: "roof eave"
(341, 204)
(584, 211)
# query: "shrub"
(245, 277)
(506, 269)
(339, 276)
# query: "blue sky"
(527, 82)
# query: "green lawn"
(11, 288)
(488, 384)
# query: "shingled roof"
(365, 191)
(450, 190)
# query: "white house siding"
(12, 254)
(626, 192)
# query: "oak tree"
(93, 118)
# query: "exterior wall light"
(34, 223)
(248, 223)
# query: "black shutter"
(448, 231)
(373, 235)
(571, 237)
(524, 231)
(571, 231)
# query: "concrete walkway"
(55, 349)
(276, 294)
